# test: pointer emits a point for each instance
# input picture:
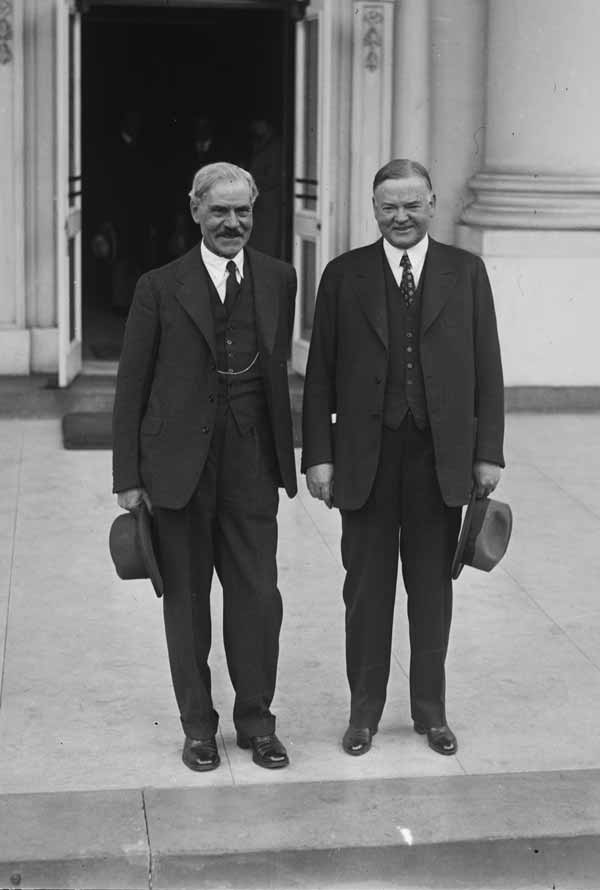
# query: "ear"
(194, 211)
(432, 201)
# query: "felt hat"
(132, 548)
(484, 535)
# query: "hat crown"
(131, 548)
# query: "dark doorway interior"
(163, 92)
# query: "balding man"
(405, 354)
(203, 434)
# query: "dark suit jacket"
(347, 366)
(165, 402)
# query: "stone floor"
(86, 703)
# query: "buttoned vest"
(239, 372)
(405, 387)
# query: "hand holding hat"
(484, 535)
(132, 547)
(486, 477)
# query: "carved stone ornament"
(372, 37)
(6, 32)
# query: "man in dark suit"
(405, 354)
(203, 434)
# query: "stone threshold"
(490, 831)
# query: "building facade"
(496, 97)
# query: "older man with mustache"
(203, 435)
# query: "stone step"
(534, 830)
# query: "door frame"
(313, 225)
(68, 189)
(291, 11)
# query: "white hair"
(221, 171)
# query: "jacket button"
(378, 380)
(211, 398)
(212, 367)
(206, 429)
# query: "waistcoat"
(405, 386)
(240, 376)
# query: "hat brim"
(144, 524)
(457, 562)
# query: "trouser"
(405, 515)
(230, 525)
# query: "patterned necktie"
(407, 285)
(232, 288)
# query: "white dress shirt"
(416, 255)
(216, 266)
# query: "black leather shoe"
(440, 738)
(357, 741)
(267, 750)
(200, 754)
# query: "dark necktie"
(407, 285)
(232, 288)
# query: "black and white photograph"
(299, 445)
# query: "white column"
(457, 105)
(372, 70)
(542, 164)
(412, 73)
(14, 338)
(536, 209)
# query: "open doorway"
(165, 90)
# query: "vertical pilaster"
(40, 182)
(14, 338)
(372, 94)
(412, 74)
(457, 106)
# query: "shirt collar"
(416, 253)
(218, 264)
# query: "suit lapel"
(370, 289)
(439, 280)
(193, 294)
(266, 296)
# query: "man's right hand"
(319, 480)
(132, 498)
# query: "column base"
(545, 286)
(534, 201)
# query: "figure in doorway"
(127, 234)
(197, 151)
(265, 166)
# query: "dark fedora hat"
(484, 535)
(132, 548)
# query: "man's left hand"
(486, 477)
